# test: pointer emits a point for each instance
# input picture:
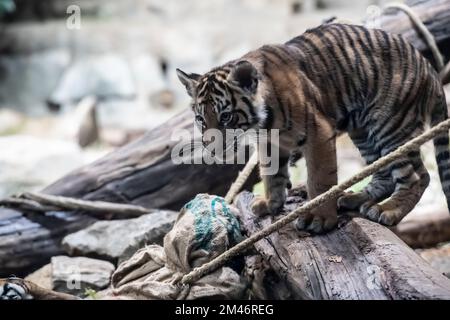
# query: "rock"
(75, 275)
(439, 258)
(117, 240)
(42, 277)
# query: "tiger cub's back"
(358, 67)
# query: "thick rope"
(426, 34)
(332, 193)
(445, 74)
(242, 178)
(78, 204)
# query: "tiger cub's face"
(10, 290)
(224, 98)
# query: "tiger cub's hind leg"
(411, 179)
(380, 187)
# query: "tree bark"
(358, 260)
(142, 172)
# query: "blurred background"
(80, 78)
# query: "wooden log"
(142, 172)
(435, 14)
(27, 241)
(425, 232)
(359, 260)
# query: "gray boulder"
(117, 240)
(75, 275)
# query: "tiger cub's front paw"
(316, 223)
(261, 206)
(352, 201)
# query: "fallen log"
(435, 15)
(359, 260)
(425, 232)
(27, 241)
(142, 172)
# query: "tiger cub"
(19, 289)
(334, 78)
(10, 289)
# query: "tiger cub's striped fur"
(333, 78)
(11, 290)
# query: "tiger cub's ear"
(245, 75)
(189, 81)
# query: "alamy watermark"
(73, 21)
(231, 146)
(375, 279)
(73, 278)
(373, 15)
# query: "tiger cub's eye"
(200, 121)
(226, 117)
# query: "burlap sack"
(205, 228)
